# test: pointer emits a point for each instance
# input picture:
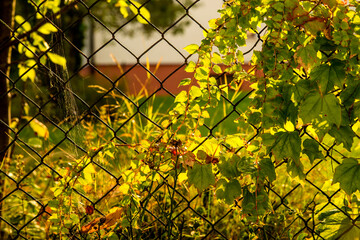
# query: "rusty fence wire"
(58, 118)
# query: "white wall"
(138, 43)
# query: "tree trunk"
(7, 13)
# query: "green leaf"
(201, 176)
(300, 89)
(325, 44)
(307, 55)
(235, 141)
(302, 236)
(255, 203)
(217, 69)
(344, 135)
(47, 28)
(267, 169)
(348, 175)
(232, 191)
(311, 149)
(315, 104)
(192, 48)
(57, 59)
(287, 145)
(229, 169)
(336, 225)
(185, 82)
(349, 95)
(35, 142)
(296, 169)
(327, 76)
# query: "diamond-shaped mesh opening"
(139, 46)
(20, 212)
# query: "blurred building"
(162, 54)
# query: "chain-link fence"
(81, 127)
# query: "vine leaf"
(231, 192)
(344, 135)
(255, 203)
(267, 169)
(336, 225)
(349, 95)
(311, 149)
(306, 56)
(229, 169)
(348, 175)
(296, 169)
(287, 144)
(300, 89)
(316, 104)
(327, 76)
(201, 176)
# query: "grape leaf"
(311, 149)
(255, 203)
(267, 169)
(295, 168)
(327, 76)
(300, 89)
(232, 191)
(201, 176)
(336, 225)
(344, 135)
(229, 168)
(287, 144)
(306, 56)
(349, 95)
(348, 175)
(316, 104)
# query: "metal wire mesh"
(167, 211)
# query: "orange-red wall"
(136, 78)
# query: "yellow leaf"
(103, 222)
(289, 126)
(57, 59)
(144, 14)
(38, 127)
(356, 126)
(47, 28)
(124, 188)
(182, 177)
